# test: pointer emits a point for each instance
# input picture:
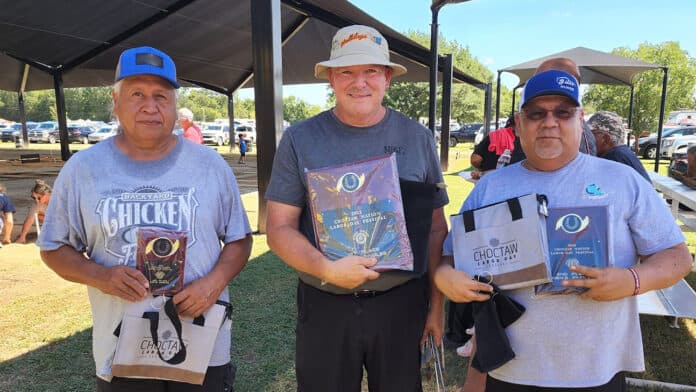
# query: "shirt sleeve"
(286, 185)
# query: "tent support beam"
(113, 41)
(487, 106)
(630, 115)
(62, 115)
(665, 71)
(446, 110)
(497, 98)
(268, 91)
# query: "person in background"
(191, 131)
(588, 144)
(242, 150)
(41, 194)
(610, 134)
(486, 154)
(7, 211)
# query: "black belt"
(367, 293)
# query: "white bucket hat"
(357, 45)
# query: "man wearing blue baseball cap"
(587, 340)
(143, 178)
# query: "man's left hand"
(196, 298)
(604, 284)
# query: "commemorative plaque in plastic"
(576, 236)
(161, 256)
(357, 209)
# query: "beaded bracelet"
(636, 280)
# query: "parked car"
(467, 133)
(671, 144)
(216, 133)
(46, 131)
(647, 146)
(8, 134)
(79, 134)
(248, 132)
(102, 134)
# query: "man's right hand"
(351, 271)
(124, 282)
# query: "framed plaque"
(161, 256)
(357, 209)
(576, 236)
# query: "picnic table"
(679, 300)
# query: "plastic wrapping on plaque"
(161, 257)
(357, 209)
(576, 236)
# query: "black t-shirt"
(490, 158)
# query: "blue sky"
(501, 33)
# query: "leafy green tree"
(681, 86)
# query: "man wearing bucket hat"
(576, 341)
(351, 317)
(89, 235)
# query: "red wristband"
(636, 281)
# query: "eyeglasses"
(368, 74)
(561, 113)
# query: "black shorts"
(616, 384)
(338, 335)
(217, 379)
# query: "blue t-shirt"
(6, 205)
(565, 341)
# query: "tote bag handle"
(513, 205)
(153, 317)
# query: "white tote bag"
(154, 342)
(505, 242)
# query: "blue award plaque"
(357, 210)
(576, 236)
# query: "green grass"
(46, 323)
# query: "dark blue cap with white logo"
(145, 60)
(551, 82)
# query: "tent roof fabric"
(595, 67)
(209, 40)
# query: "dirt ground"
(19, 177)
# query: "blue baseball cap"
(552, 82)
(145, 60)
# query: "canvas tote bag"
(505, 242)
(154, 342)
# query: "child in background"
(41, 193)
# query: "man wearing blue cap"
(143, 178)
(575, 341)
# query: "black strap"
(515, 208)
(170, 311)
(469, 223)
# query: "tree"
(681, 86)
(295, 109)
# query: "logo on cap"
(566, 83)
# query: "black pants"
(616, 384)
(217, 379)
(339, 334)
